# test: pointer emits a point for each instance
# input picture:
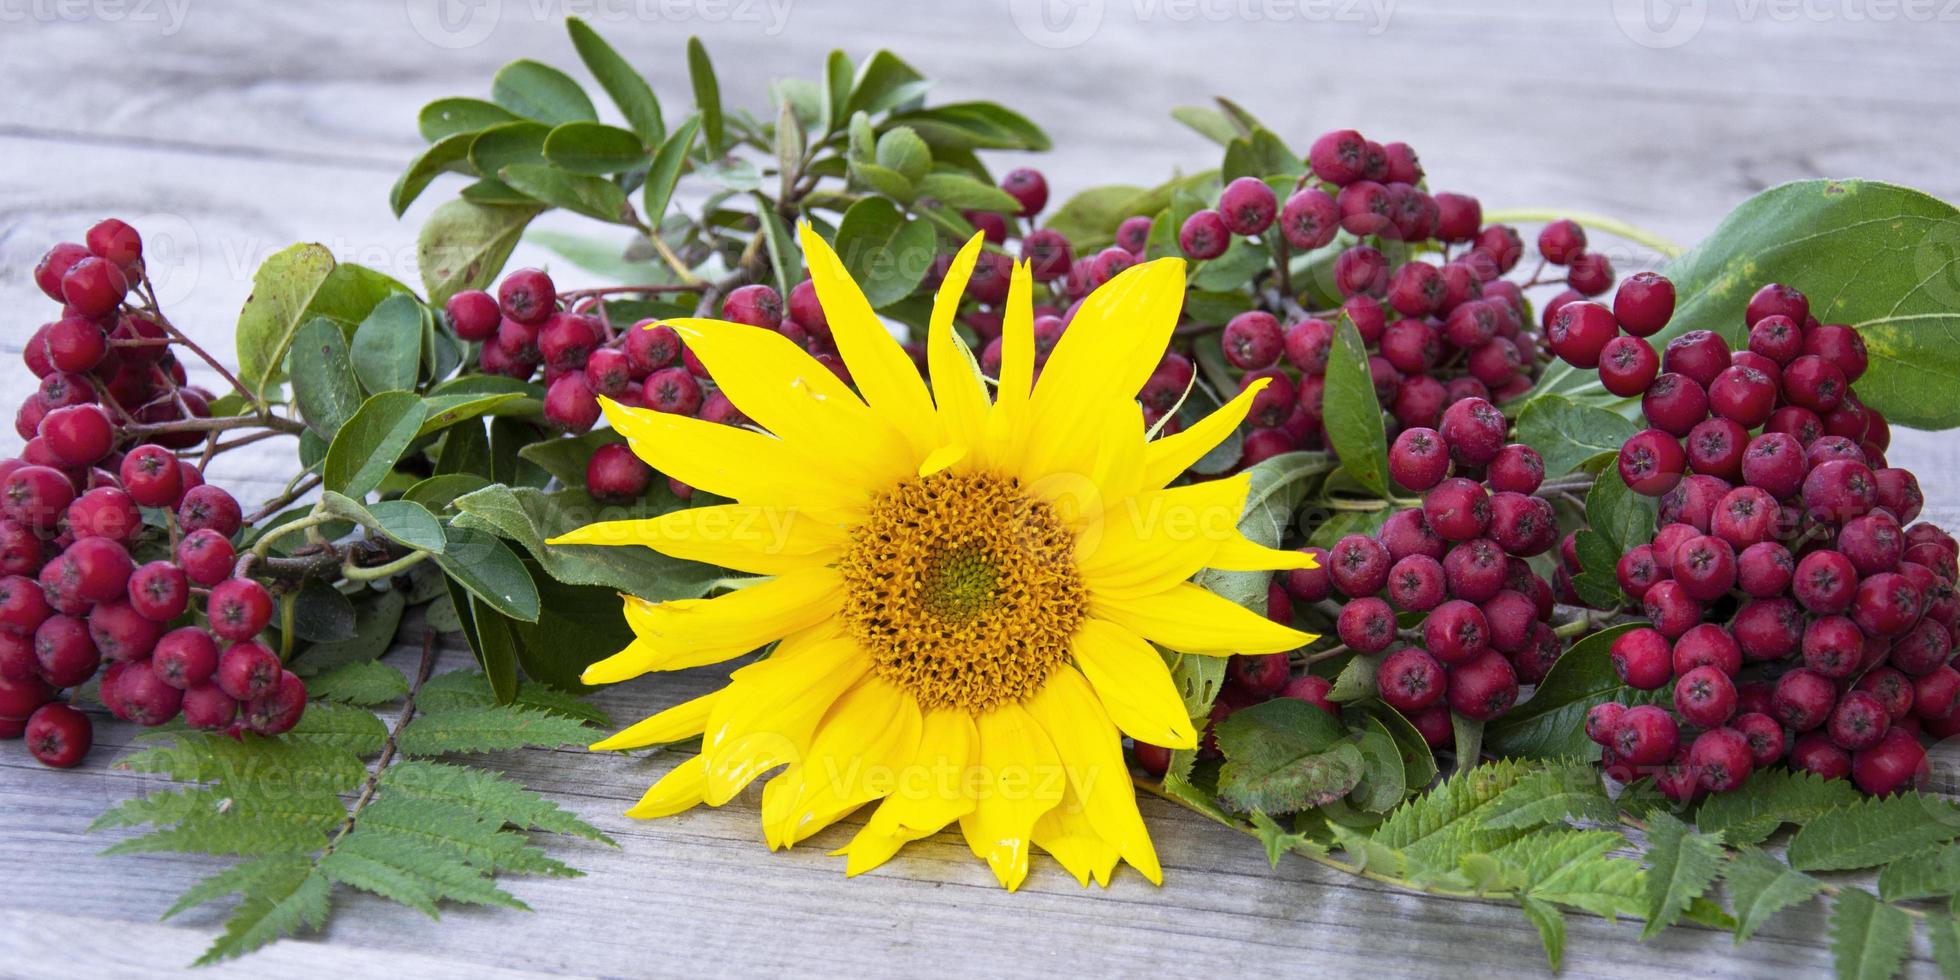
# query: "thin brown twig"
(388, 748)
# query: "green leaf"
(1553, 795)
(541, 92)
(594, 149)
(1354, 413)
(1570, 867)
(529, 517)
(341, 726)
(289, 289)
(464, 245)
(245, 876)
(966, 193)
(369, 445)
(628, 89)
(461, 834)
(490, 571)
(365, 683)
(565, 459)
(1551, 723)
(490, 793)
(1209, 123)
(1284, 756)
(883, 82)
(594, 197)
(966, 126)
(785, 256)
(901, 150)
(1944, 933)
(1198, 679)
(1770, 799)
(1869, 939)
(1449, 820)
(1278, 840)
(1681, 863)
(321, 614)
(444, 118)
(411, 872)
(495, 648)
(883, 180)
(1569, 434)
(665, 171)
(469, 689)
(451, 154)
(707, 94)
(494, 729)
(1760, 886)
(203, 758)
(1235, 269)
(1625, 518)
(1931, 873)
(1384, 778)
(405, 522)
(387, 346)
(1550, 923)
(271, 909)
(324, 386)
(887, 254)
(375, 621)
(509, 145)
(1872, 832)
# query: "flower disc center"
(963, 589)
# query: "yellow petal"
(956, 384)
(692, 632)
(1240, 554)
(1023, 780)
(679, 790)
(1194, 620)
(744, 537)
(870, 732)
(684, 720)
(770, 710)
(1092, 753)
(929, 794)
(779, 385)
(878, 365)
(941, 458)
(1165, 459)
(1134, 685)
(1067, 835)
(1154, 540)
(741, 464)
(1016, 343)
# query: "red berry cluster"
(1437, 333)
(529, 325)
(72, 592)
(1793, 607)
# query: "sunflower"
(963, 592)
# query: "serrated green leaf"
(469, 689)
(1354, 413)
(1760, 886)
(360, 683)
(269, 765)
(159, 807)
(1770, 799)
(1872, 832)
(1356, 681)
(1869, 939)
(1553, 795)
(259, 823)
(1931, 873)
(457, 831)
(253, 876)
(1681, 863)
(1285, 756)
(1433, 829)
(485, 792)
(342, 726)
(270, 909)
(412, 873)
(1570, 867)
(1550, 923)
(493, 729)
(1278, 840)
(1944, 934)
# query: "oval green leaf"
(372, 441)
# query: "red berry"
(566, 339)
(1339, 157)
(1367, 624)
(1456, 632)
(1252, 340)
(473, 315)
(615, 475)
(1310, 219)
(1642, 658)
(104, 512)
(1263, 675)
(1419, 459)
(55, 264)
(239, 608)
(1897, 762)
(1816, 753)
(1474, 430)
(1775, 462)
(206, 706)
(1483, 688)
(186, 658)
(150, 477)
(754, 304)
(527, 296)
(1814, 383)
(66, 655)
(59, 736)
(1839, 345)
(1313, 690)
(209, 507)
(74, 344)
(1776, 299)
(205, 556)
(280, 708)
(1457, 217)
(1248, 206)
(1721, 759)
(1310, 584)
(1644, 303)
(1027, 186)
(78, 435)
(569, 403)
(1803, 699)
(93, 287)
(1652, 462)
(1410, 680)
(1417, 583)
(119, 632)
(1602, 719)
(1646, 736)
(1561, 241)
(248, 670)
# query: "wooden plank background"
(228, 130)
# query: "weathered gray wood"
(256, 125)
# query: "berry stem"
(387, 756)
(263, 545)
(368, 573)
(1600, 222)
